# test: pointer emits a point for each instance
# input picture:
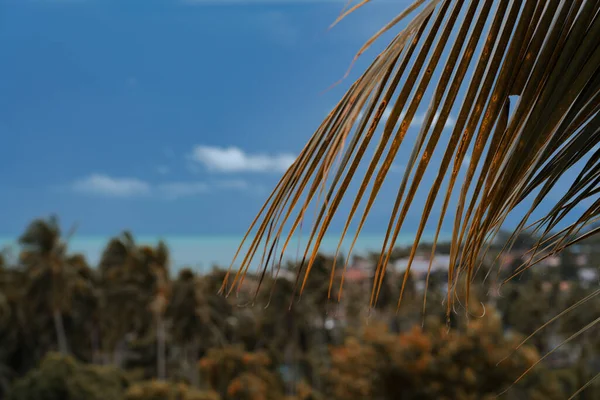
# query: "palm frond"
(522, 78)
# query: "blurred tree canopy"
(437, 364)
(125, 329)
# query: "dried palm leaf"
(523, 79)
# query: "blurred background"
(139, 139)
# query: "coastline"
(203, 252)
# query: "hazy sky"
(170, 116)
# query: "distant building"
(564, 286)
(420, 264)
(588, 276)
(286, 274)
(354, 274)
(363, 264)
(551, 261)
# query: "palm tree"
(9, 338)
(157, 260)
(15, 356)
(512, 115)
(121, 296)
(84, 312)
(50, 277)
(188, 320)
(286, 331)
(218, 311)
(135, 290)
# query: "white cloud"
(417, 120)
(450, 121)
(106, 186)
(176, 190)
(103, 185)
(163, 169)
(233, 159)
(386, 113)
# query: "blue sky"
(129, 114)
(170, 117)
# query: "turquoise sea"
(203, 252)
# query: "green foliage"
(60, 377)
(185, 308)
(568, 265)
(571, 379)
(239, 375)
(526, 309)
(179, 339)
(155, 390)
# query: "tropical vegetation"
(522, 81)
(135, 328)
